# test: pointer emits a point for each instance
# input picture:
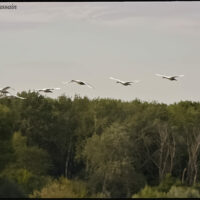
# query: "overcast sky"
(44, 44)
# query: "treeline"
(98, 148)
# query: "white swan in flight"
(11, 95)
(125, 83)
(47, 90)
(80, 83)
(171, 78)
(5, 90)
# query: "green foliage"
(9, 189)
(25, 179)
(30, 166)
(174, 192)
(149, 192)
(183, 192)
(113, 146)
(109, 163)
(6, 128)
(62, 188)
(170, 187)
(32, 158)
(167, 183)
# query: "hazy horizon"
(44, 44)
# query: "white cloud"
(169, 16)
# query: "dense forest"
(79, 147)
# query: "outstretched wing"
(66, 82)
(89, 85)
(39, 90)
(135, 81)
(12, 95)
(54, 88)
(18, 97)
(6, 88)
(116, 79)
(163, 76)
(177, 76)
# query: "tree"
(193, 147)
(6, 131)
(164, 156)
(30, 167)
(9, 189)
(109, 163)
(160, 191)
(62, 188)
(185, 117)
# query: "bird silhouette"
(171, 78)
(125, 83)
(80, 83)
(47, 90)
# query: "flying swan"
(125, 83)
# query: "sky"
(43, 44)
